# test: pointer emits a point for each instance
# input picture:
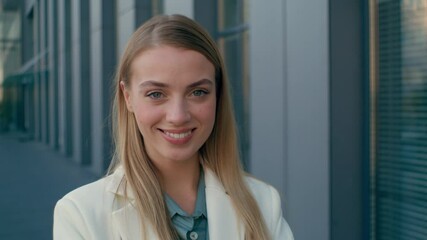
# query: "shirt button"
(194, 235)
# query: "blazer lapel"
(222, 218)
(223, 222)
(126, 221)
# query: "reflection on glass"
(10, 60)
(9, 43)
(233, 42)
(401, 123)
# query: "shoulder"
(96, 192)
(94, 189)
(85, 212)
(270, 204)
(263, 192)
(89, 195)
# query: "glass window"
(399, 120)
(10, 62)
(233, 42)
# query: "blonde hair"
(220, 151)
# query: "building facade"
(329, 97)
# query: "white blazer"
(100, 211)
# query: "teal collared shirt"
(194, 226)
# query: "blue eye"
(155, 95)
(199, 93)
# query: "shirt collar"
(200, 208)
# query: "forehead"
(171, 64)
(163, 52)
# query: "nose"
(178, 113)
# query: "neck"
(180, 182)
(179, 176)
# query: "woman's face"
(173, 97)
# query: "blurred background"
(330, 98)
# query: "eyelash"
(203, 92)
(151, 95)
(195, 93)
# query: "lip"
(177, 136)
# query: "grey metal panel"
(290, 108)
(85, 90)
(76, 81)
(103, 60)
(346, 118)
(53, 72)
(267, 94)
(64, 78)
(144, 11)
(37, 101)
(307, 51)
(130, 15)
(96, 101)
(41, 67)
(206, 13)
(184, 7)
(80, 81)
(126, 16)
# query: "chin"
(182, 157)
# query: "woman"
(176, 172)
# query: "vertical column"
(144, 11)
(268, 124)
(349, 166)
(308, 112)
(103, 60)
(41, 70)
(52, 15)
(126, 13)
(80, 80)
(184, 7)
(34, 69)
(206, 13)
(130, 15)
(64, 78)
(27, 52)
(290, 108)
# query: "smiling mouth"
(181, 135)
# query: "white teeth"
(178, 135)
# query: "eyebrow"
(152, 83)
(163, 85)
(200, 82)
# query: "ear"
(126, 94)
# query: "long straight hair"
(220, 151)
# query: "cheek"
(207, 113)
(146, 117)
